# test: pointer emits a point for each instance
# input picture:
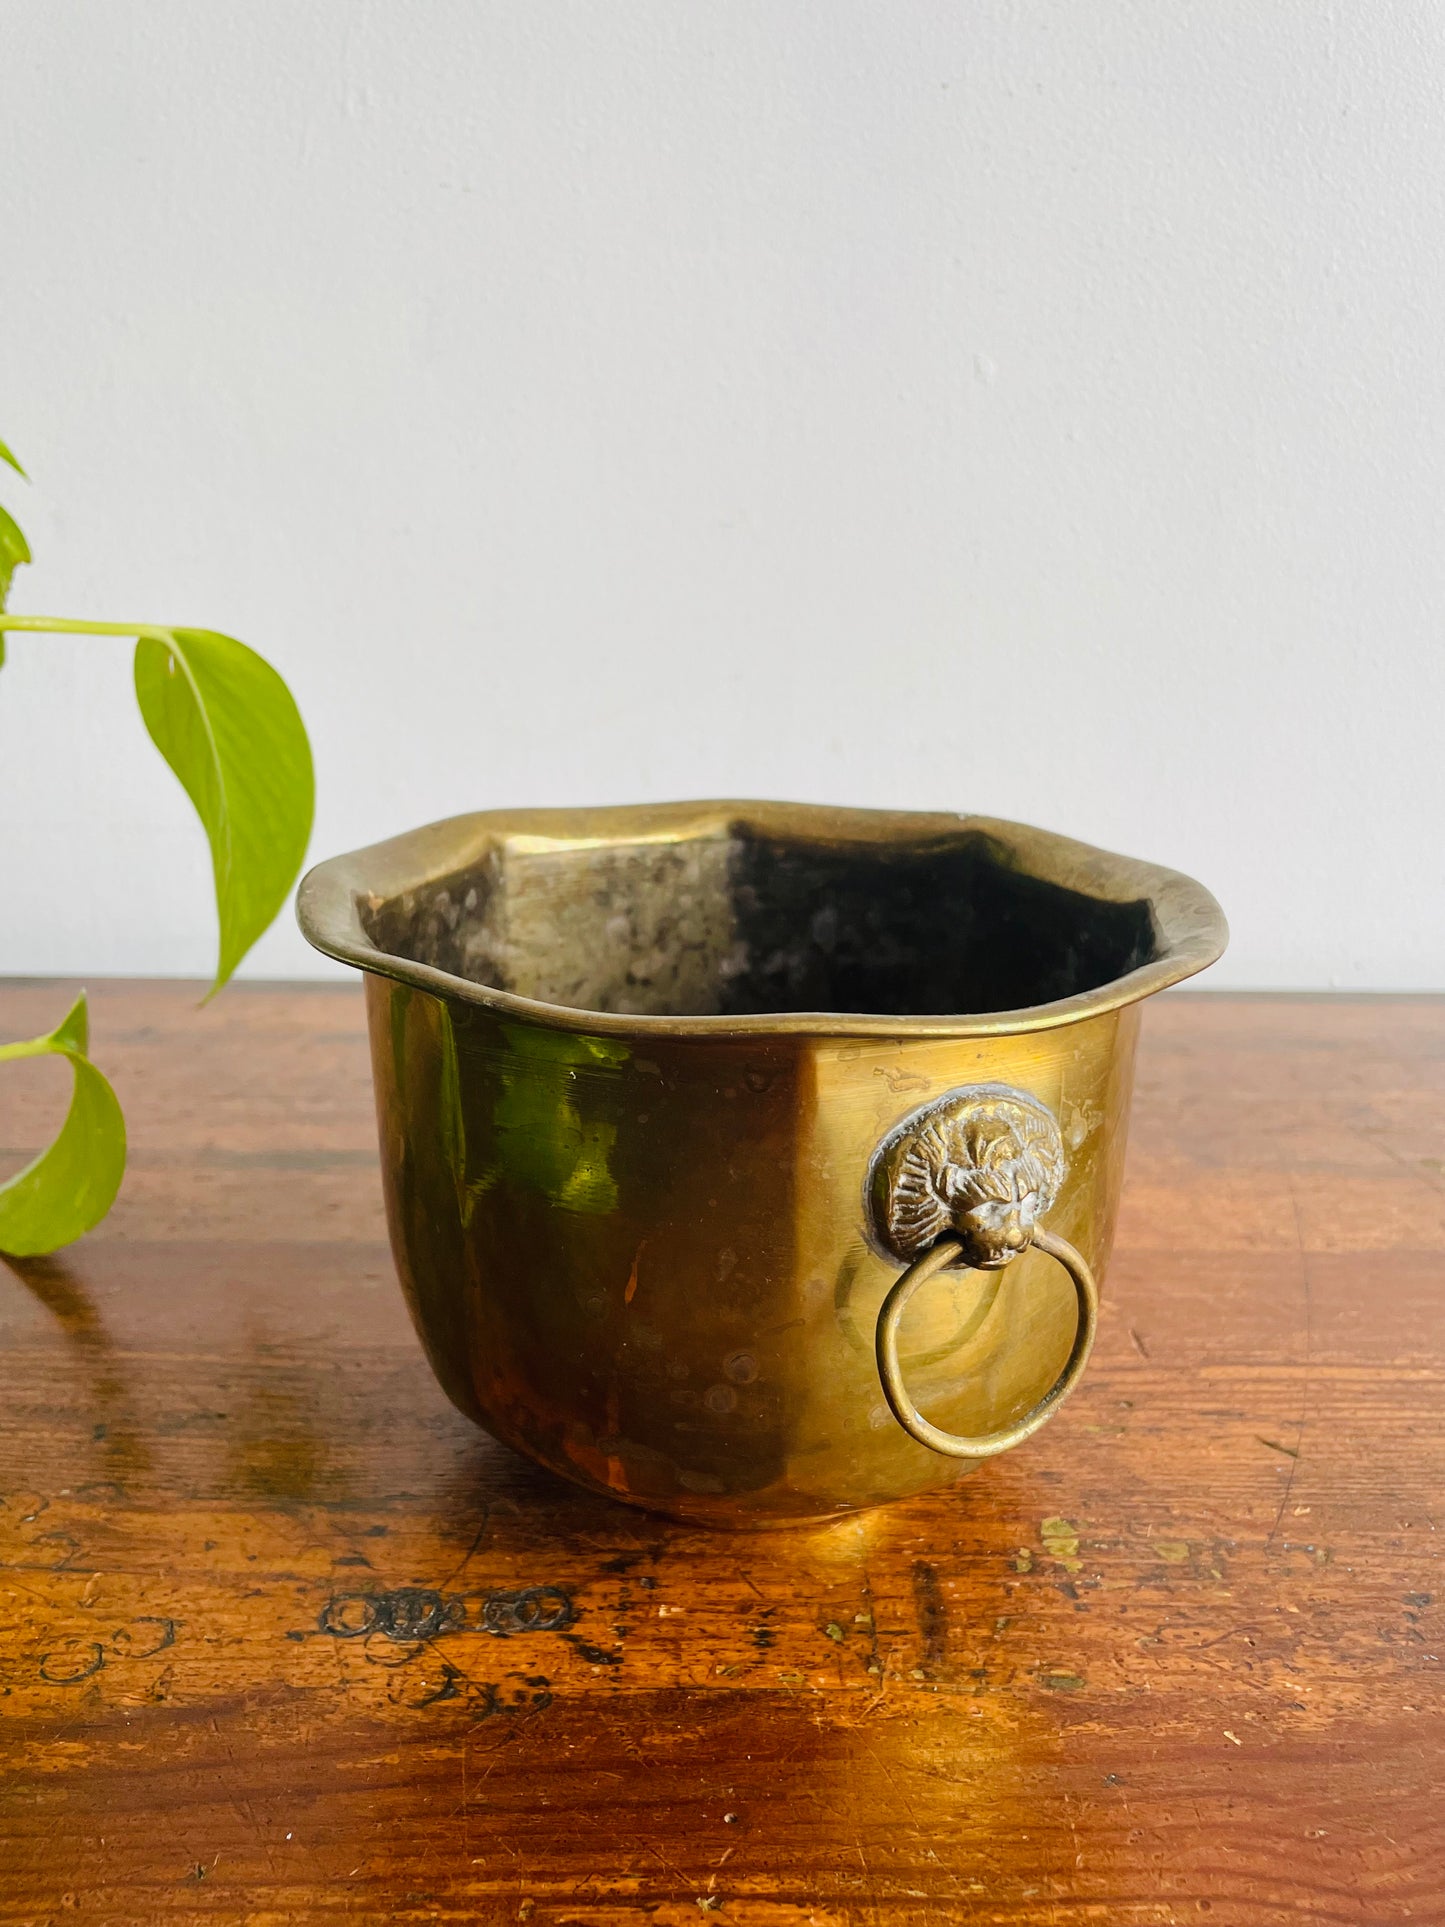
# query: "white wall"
(1037, 409)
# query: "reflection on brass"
(632, 1068)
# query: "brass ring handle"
(946, 1253)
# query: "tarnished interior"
(739, 922)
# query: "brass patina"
(670, 1096)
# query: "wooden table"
(285, 1639)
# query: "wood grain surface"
(285, 1639)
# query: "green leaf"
(69, 1188)
(14, 550)
(226, 723)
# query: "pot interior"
(744, 923)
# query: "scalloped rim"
(1192, 932)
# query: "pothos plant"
(227, 725)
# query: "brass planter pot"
(754, 1162)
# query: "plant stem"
(67, 625)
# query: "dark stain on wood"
(932, 1613)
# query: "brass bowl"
(723, 1141)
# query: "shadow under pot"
(752, 1162)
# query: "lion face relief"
(982, 1164)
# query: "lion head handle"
(982, 1164)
